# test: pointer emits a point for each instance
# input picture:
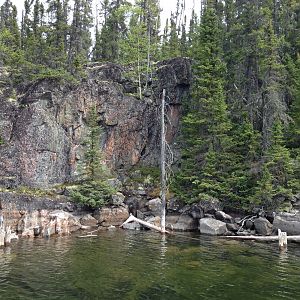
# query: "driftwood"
(147, 224)
(272, 238)
(87, 235)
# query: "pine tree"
(93, 189)
(277, 175)
(80, 35)
(206, 126)
(57, 34)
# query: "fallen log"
(144, 223)
(87, 235)
(272, 238)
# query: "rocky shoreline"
(32, 216)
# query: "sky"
(166, 5)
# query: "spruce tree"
(206, 126)
(80, 35)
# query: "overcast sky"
(166, 5)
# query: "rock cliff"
(43, 128)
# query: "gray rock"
(118, 199)
(249, 224)
(140, 215)
(263, 226)
(88, 220)
(115, 216)
(210, 206)
(212, 227)
(174, 205)
(154, 206)
(288, 222)
(232, 227)
(154, 220)
(133, 226)
(221, 216)
(115, 183)
(181, 223)
(44, 129)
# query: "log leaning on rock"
(147, 224)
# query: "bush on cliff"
(93, 193)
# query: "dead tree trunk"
(163, 165)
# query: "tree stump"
(282, 240)
(7, 236)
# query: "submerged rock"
(212, 226)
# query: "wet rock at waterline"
(288, 222)
(132, 226)
(212, 226)
(262, 226)
(88, 220)
(181, 223)
(108, 216)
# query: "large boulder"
(181, 223)
(221, 216)
(154, 206)
(263, 226)
(114, 216)
(88, 220)
(288, 222)
(212, 226)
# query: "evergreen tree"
(93, 189)
(57, 34)
(80, 35)
(206, 125)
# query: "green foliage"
(93, 193)
(94, 190)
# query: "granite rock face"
(31, 216)
(43, 129)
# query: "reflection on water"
(147, 265)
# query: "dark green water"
(145, 265)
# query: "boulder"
(249, 224)
(221, 216)
(174, 205)
(212, 226)
(154, 220)
(233, 227)
(111, 216)
(154, 206)
(118, 199)
(196, 212)
(133, 226)
(288, 222)
(263, 226)
(88, 220)
(181, 223)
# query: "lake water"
(146, 265)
